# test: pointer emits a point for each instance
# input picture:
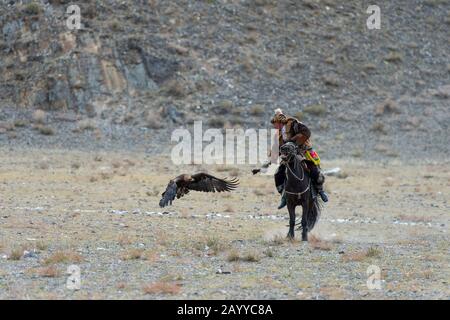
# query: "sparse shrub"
(249, 256)
(277, 240)
(154, 121)
(41, 246)
(216, 122)
(176, 88)
(63, 257)
(132, 254)
(7, 126)
(330, 60)
(373, 252)
(75, 165)
(247, 65)
(269, 253)
(19, 123)
(45, 130)
(357, 153)
(115, 26)
(215, 244)
(32, 8)
(228, 208)
(87, 124)
(331, 81)
(315, 109)
(394, 57)
(319, 244)
(257, 110)
(379, 127)
(387, 106)
(233, 255)
(225, 107)
(39, 116)
(162, 287)
(48, 272)
(15, 254)
(369, 67)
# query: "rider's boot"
(319, 185)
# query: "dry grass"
(132, 254)
(19, 123)
(162, 287)
(217, 122)
(331, 81)
(388, 106)
(75, 165)
(394, 57)
(39, 116)
(257, 110)
(63, 257)
(277, 240)
(233, 255)
(215, 244)
(372, 252)
(318, 244)
(16, 254)
(32, 8)
(45, 130)
(151, 256)
(87, 125)
(176, 88)
(224, 107)
(41, 246)
(229, 208)
(48, 272)
(379, 127)
(249, 256)
(315, 109)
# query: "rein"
(300, 179)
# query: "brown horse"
(299, 191)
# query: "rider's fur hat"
(278, 117)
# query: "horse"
(299, 191)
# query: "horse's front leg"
(291, 209)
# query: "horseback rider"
(292, 130)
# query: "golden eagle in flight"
(204, 182)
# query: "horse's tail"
(313, 212)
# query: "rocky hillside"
(154, 65)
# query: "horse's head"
(288, 151)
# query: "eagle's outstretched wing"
(169, 195)
(204, 182)
(207, 183)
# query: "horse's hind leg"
(291, 209)
(305, 208)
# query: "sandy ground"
(99, 212)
